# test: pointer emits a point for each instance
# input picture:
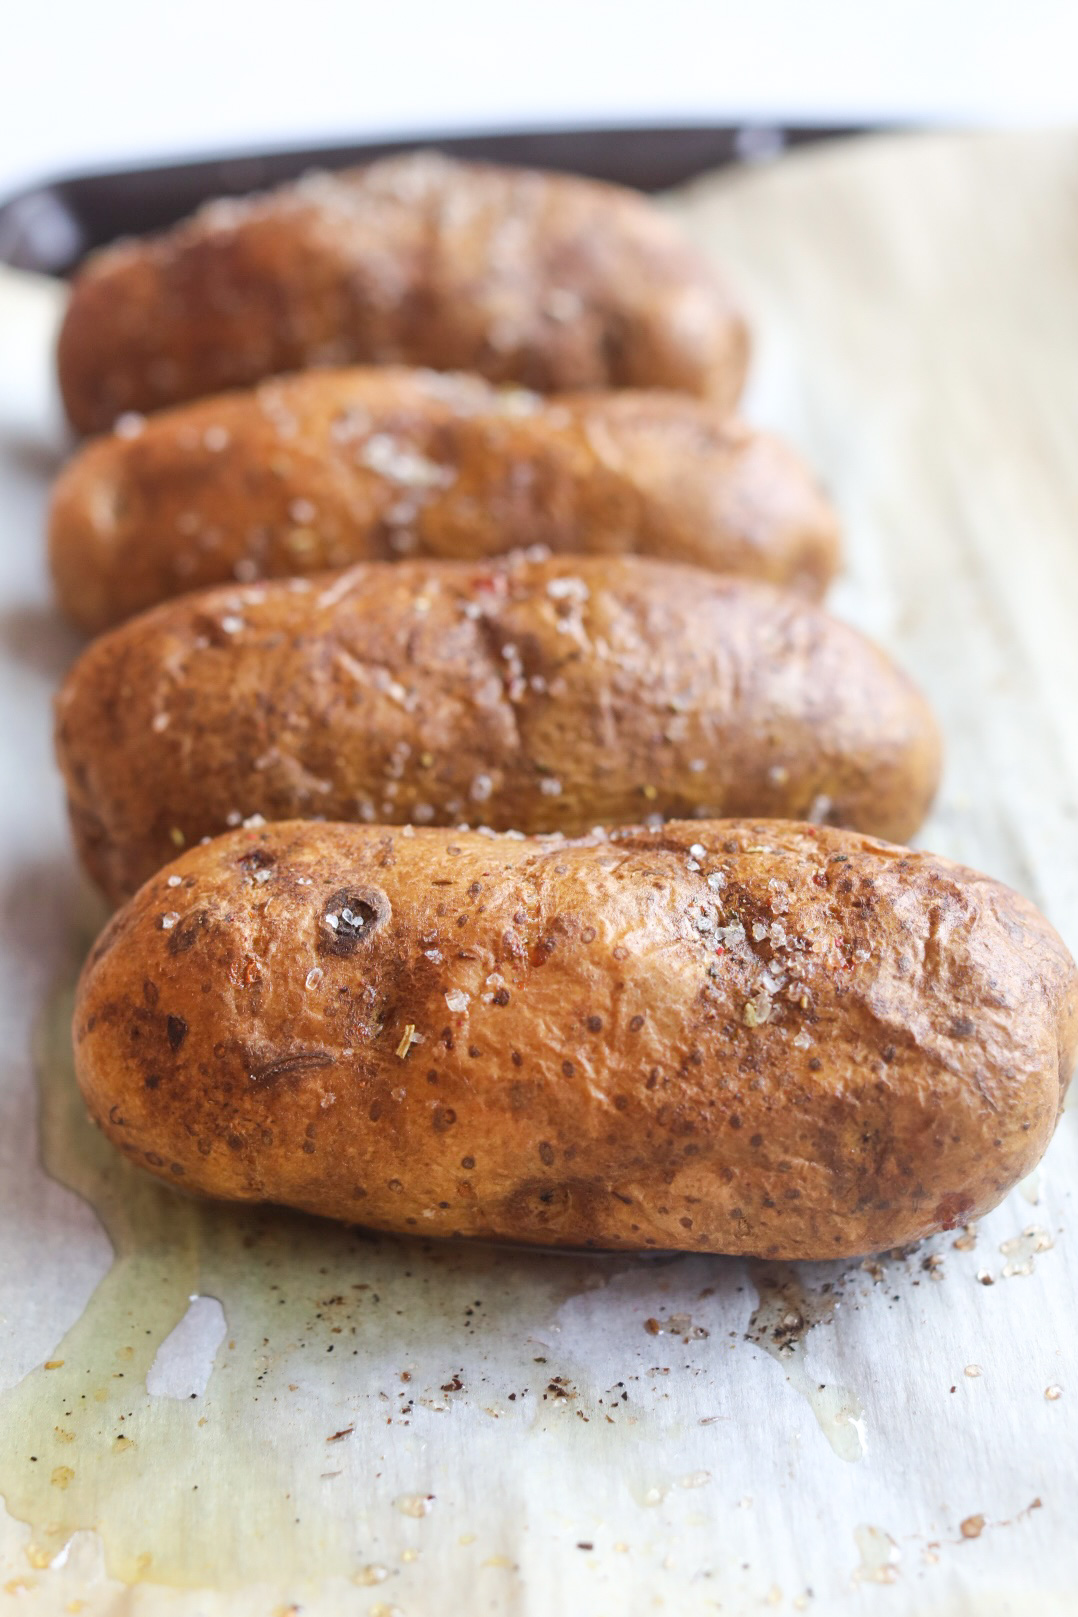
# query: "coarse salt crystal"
(169, 921)
(566, 589)
(457, 1000)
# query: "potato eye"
(351, 916)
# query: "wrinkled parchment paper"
(206, 1411)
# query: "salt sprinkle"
(169, 921)
(566, 589)
(457, 1000)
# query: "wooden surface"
(917, 300)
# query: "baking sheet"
(207, 1410)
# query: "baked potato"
(549, 280)
(533, 696)
(334, 467)
(748, 1037)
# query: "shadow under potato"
(38, 638)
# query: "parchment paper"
(293, 1417)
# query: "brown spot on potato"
(256, 859)
(291, 1066)
(176, 1029)
(184, 934)
(952, 1210)
(349, 917)
(544, 1204)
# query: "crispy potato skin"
(548, 1042)
(545, 279)
(333, 467)
(533, 696)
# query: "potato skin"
(329, 468)
(533, 696)
(553, 1041)
(546, 279)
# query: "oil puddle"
(786, 1312)
(879, 1554)
(1021, 1251)
(252, 1353)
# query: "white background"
(92, 83)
